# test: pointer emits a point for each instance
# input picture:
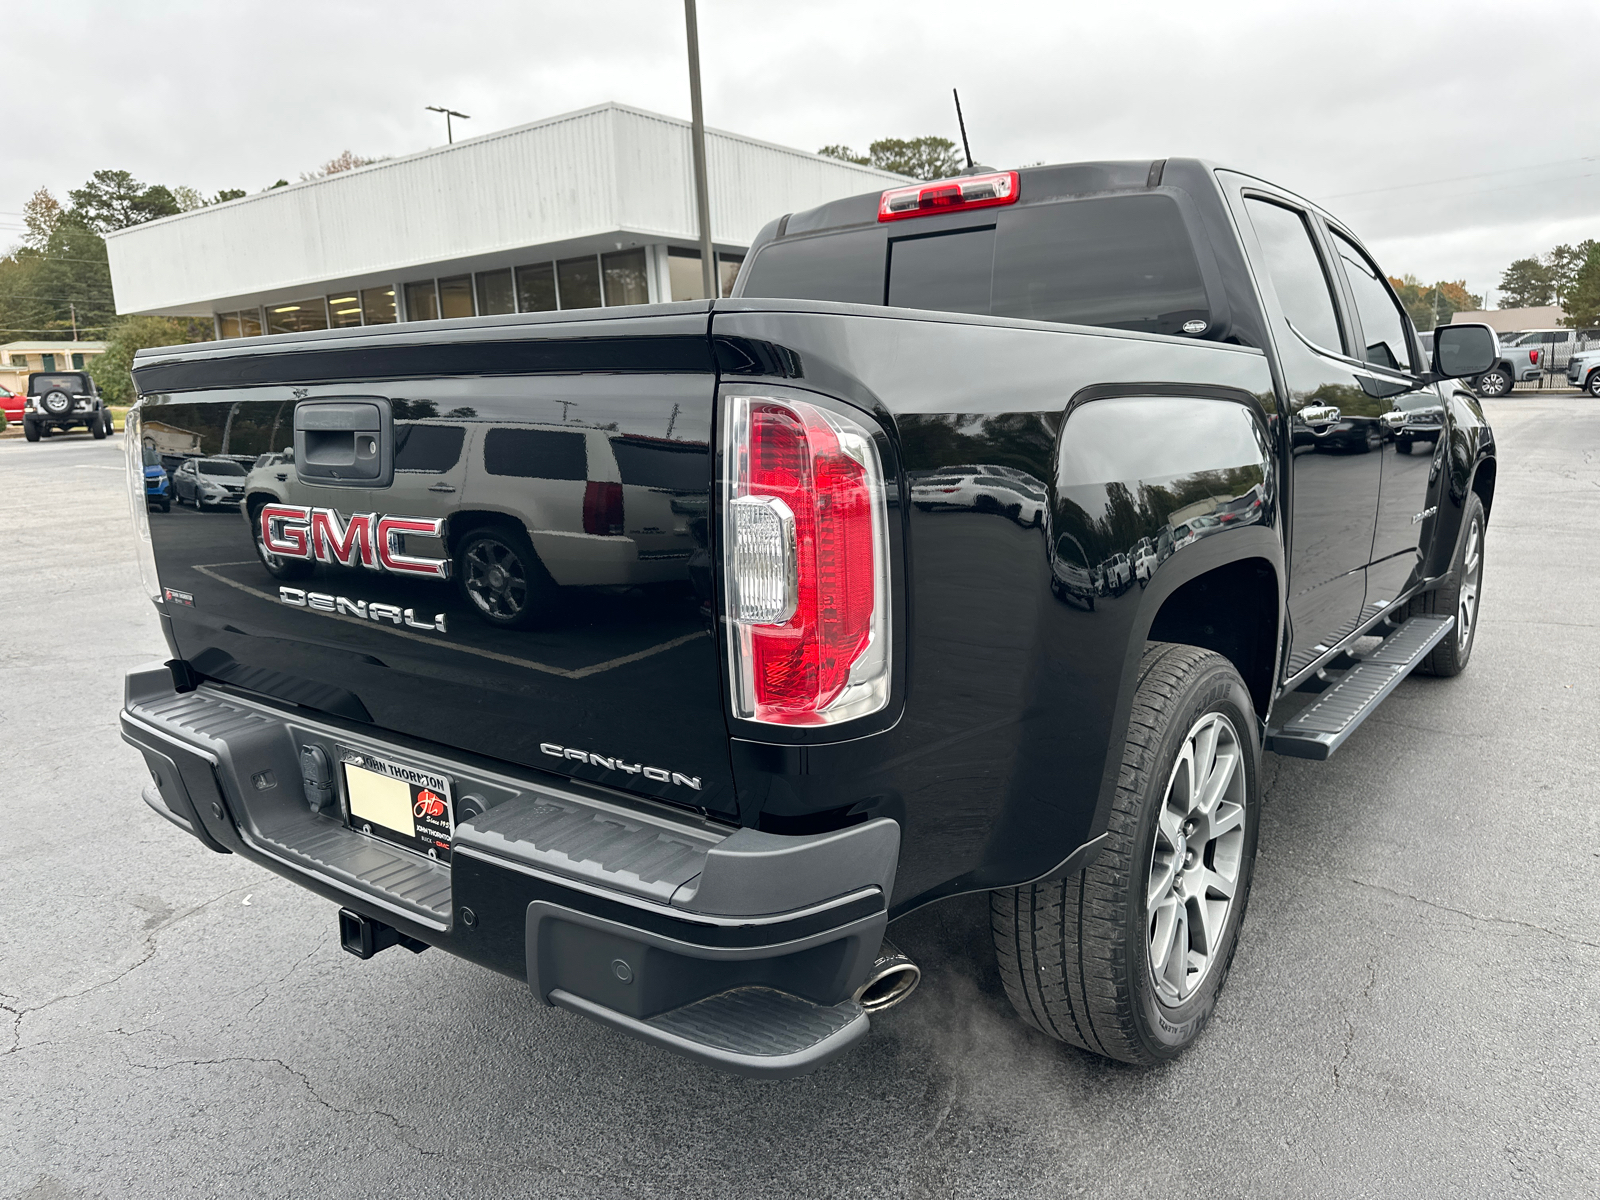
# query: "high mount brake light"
(948, 195)
(806, 567)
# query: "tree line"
(1568, 276)
(56, 283)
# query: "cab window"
(1383, 325)
(1295, 268)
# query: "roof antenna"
(962, 122)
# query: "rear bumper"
(738, 948)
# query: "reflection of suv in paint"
(690, 810)
(209, 483)
(527, 508)
(61, 400)
(981, 488)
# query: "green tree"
(1564, 263)
(112, 370)
(116, 200)
(227, 194)
(919, 158)
(1583, 296)
(1527, 283)
(40, 216)
(1430, 306)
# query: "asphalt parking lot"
(1414, 1010)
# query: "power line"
(1560, 162)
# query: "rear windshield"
(1121, 262)
(218, 466)
(40, 384)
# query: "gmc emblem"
(365, 540)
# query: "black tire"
(501, 578)
(1493, 382)
(287, 569)
(99, 428)
(56, 403)
(165, 506)
(1593, 387)
(1459, 596)
(1403, 445)
(1076, 954)
(30, 430)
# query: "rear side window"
(535, 454)
(432, 448)
(1295, 267)
(671, 466)
(1124, 262)
(846, 268)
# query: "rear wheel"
(1458, 597)
(30, 430)
(502, 578)
(1594, 383)
(99, 426)
(1126, 958)
(1493, 382)
(277, 565)
(1403, 445)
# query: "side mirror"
(1460, 351)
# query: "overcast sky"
(1453, 136)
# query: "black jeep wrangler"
(61, 400)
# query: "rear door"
(615, 679)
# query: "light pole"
(702, 195)
(448, 113)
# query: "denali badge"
(366, 540)
(360, 609)
(1424, 514)
(617, 764)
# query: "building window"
(422, 302)
(228, 325)
(579, 280)
(47, 362)
(455, 296)
(494, 293)
(536, 288)
(683, 273)
(344, 311)
(728, 270)
(19, 360)
(624, 277)
(377, 306)
(77, 362)
(297, 316)
(250, 322)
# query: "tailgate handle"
(345, 441)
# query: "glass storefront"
(377, 306)
(455, 297)
(578, 282)
(422, 302)
(344, 311)
(536, 288)
(495, 296)
(683, 273)
(625, 280)
(297, 316)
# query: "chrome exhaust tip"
(892, 978)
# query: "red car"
(11, 403)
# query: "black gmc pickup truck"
(662, 656)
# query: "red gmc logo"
(365, 540)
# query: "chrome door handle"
(1319, 414)
(442, 487)
(1394, 419)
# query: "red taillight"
(806, 566)
(1533, 357)
(602, 508)
(948, 195)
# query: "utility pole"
(449, 133)
(74, 309)
(702, 194)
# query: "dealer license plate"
(404, 805)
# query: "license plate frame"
(420, 818)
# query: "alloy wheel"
(1471, 578)
(496, 579)
(1492, 384)
(1196, 859)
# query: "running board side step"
(1321, 728)
(754, 1031)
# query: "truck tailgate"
(492, 538)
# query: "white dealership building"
(586, 209)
